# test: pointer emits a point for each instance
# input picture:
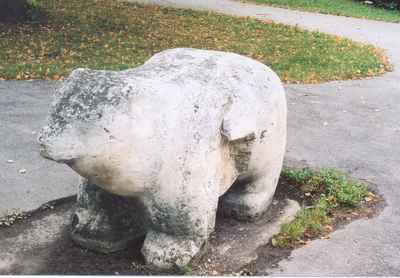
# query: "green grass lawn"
(109, 34)
(337, 7)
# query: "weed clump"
(328, 190)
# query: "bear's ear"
(236, 126)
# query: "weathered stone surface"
(185, 130)
(106, 222)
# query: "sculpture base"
(99, 227)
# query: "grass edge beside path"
(346, 8)
(112, 35)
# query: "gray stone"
(106, 222)
(176, 134)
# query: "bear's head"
(89, 129)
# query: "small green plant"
(345, 192)
(34, 12)
(33, 3)
(298, 176)
(187, 270)
(310, 220)
(334, 191)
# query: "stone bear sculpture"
(160, 145)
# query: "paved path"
(23, 109)
(353, 126)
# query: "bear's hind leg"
(259, 160)
(248, 201)
(260, 166)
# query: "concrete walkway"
(26, 180)
(352, 125)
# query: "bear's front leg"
(105, 222)
(166, 251)
(179, 230)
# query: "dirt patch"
(63, 256)
(269, 256)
